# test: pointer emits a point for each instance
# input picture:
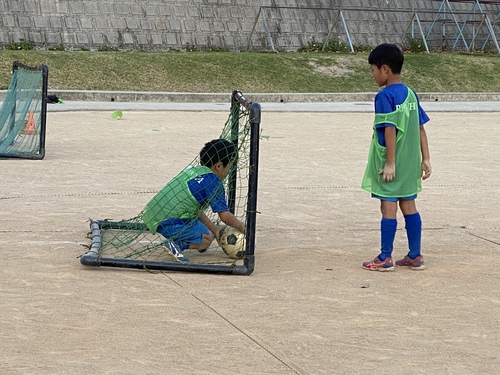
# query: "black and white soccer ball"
(232, 242)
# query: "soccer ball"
(232, 242)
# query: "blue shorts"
(184, 234)
(410, 198)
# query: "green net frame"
(131, 244)
(23, 113)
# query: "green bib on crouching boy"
(408, 153)
(174, 200)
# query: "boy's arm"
(426, 157)
(389, 171)
(209, 224)
(229, 219)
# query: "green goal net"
(23, 113)
(158, 238)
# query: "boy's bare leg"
(408, 207)
(388, 209)
(205, 243)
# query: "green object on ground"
(116, 115)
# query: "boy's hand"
(229, 219)
(389, 172)
(218, 232)
(426, 169)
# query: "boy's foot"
(416, 264)
(176, 251)
(379, 265)
(181, 257)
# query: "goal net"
(137, 243)
(23, 113)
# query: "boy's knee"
(206, 241)
(408, 207)
(208, 236)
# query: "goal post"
(23, 114)
(131, 243)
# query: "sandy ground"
(308, 308)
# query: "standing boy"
(176, 211)
(398, 158)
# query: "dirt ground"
(308, 308)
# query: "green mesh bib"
(174, 200)
(408, 153)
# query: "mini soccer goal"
(131, 244)
(24, 112)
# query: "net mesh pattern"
(133, 239)
(20, 114)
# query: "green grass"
(251, 72)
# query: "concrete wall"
(154, 25)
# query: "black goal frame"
(93, 258)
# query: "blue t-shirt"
(387, 100)
(209, 188)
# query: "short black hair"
(387, 54)
(217, 150)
